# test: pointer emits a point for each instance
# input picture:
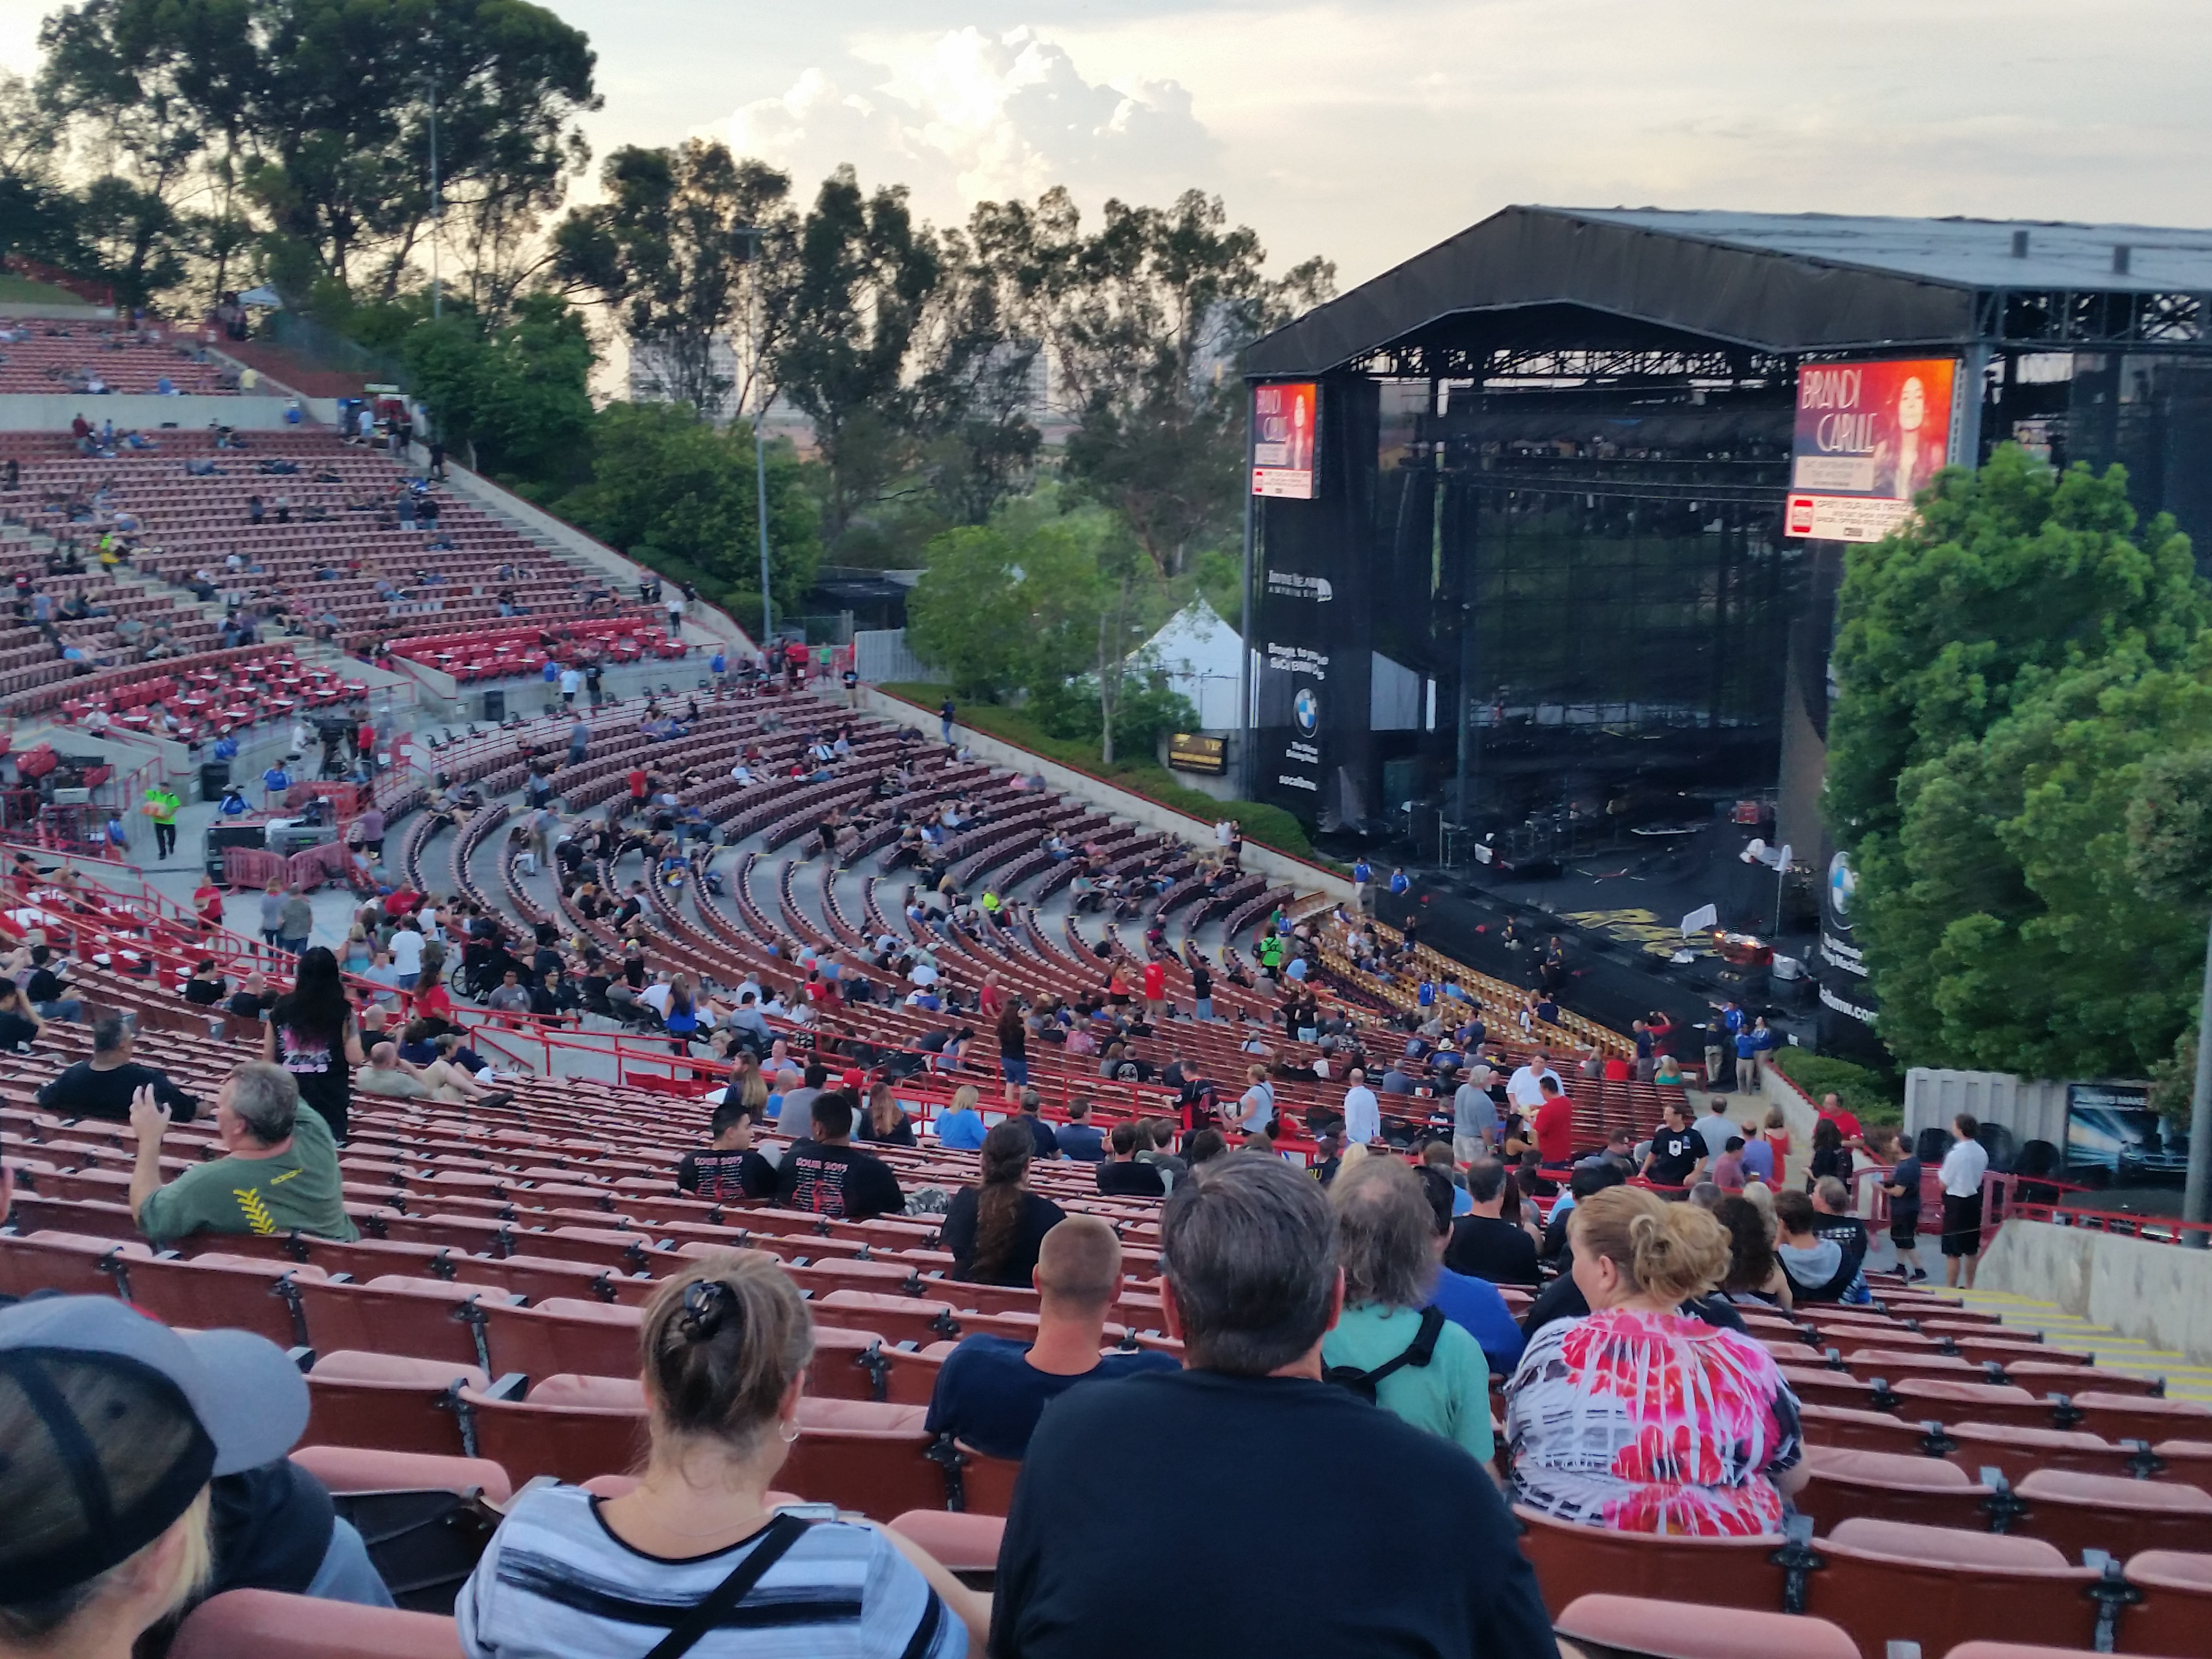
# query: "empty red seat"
(2113, 1513)
(362, 1468)
(1889, 1487)
(2175, 1615)
(1573, 1561)
(1887, 1581)
(391, 1400)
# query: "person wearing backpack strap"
(1388, 1346)
(693, 1561)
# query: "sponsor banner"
(1288, 585)
(2110, 1129)
(1285, 440)
(1187, 753)
(1869, 437)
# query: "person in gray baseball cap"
(124, 1444)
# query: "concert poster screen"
(1284, 440)
(2114, 1138)
(1868, 437)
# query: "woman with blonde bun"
(1637, 1416)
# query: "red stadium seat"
(390, 1401)
(279, 1626)
(2112, 1513)
(1653, 1629)
(2175, 1615)
(1890, 1580)
(1572, 1561)
(361, 1468)
(1889, 1487)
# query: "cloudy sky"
(1366, 132)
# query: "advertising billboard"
(1869, 437)
(2115, 1138)
(1285, 431)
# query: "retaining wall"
(2162, 1293)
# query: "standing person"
(296, 922)
(1258, 1447)
(1363, 1112)
(580, 741)
(1677, 1155)
(1475, 1118)
(1156, 989)
(572, 682)
(275, 783)
(272, 912)
(1013, 1051)
(313, 1035)
(995, 1231)
(1388, 1343)
(1902, 1185)
(672, 601)
(1829, 1157)
(1714, 1129)
(1255, 1107)
(694, 1559)
(1363, 876)
(162, 806)
(207, 904)
(1201, 991)
(1964, 1166)
(945, 714)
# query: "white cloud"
(965, 117)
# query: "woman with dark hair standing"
(994, 1231)
(1830, 1156)
(694, 1558)
(884, 1123)
(1013, 1050)
(1755, 1279)
(311, 1033)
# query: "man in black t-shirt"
(1484, 1245)
(824, 1175)
(1678, 1153)
(1119, 1175)
(1247, 1442)
(729, 1167)
(103, 1085)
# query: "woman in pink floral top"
(1640, 1418)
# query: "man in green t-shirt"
(281, 1171)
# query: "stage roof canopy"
(1781, 283)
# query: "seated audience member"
(994, 1231)
(725, 1351)
(992, 1389)
(729, 1169)
(1252, 1443)
(1078, 1138)
(822, 1173)
(1755, 1279)
(207, 987)
(186, 1436)
(795, 1108)
(253, 997)
(1484, 1245)
(1121, 1174)
(1820, 1268)
(104, 1085)
(1715, 1452)
(1388, 1344)
(394, 1079)
(1043, 1142)
(960, 1126)
(1833, 1219)
(1160, 1152)
(1473, 1305)
(19, 1024)
(884, 1122)
(49, 992)
(280, 1172)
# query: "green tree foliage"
(2009, 667)
(306, 122)
(665, 481)
(1006, 605)
(516, 401)
(668, 252)
(1145, 319)
(863, 273)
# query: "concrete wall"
(2162, 1293)
(1278, 867)
(34, 411)
(14, 309)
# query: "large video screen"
(1284, 422)
(1868, 437)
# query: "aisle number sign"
(1284, 420)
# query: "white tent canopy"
(1199, 654)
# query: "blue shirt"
(1360, 872)
(1475, 1305)
(1398, 884)
(990, 1397)
(275, 778)
(1081, 1142)
(1747, 1045)
(962, 1130)
(1759, 1160)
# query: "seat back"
(987, 1483)
(1653, 1629)
(1573, 1561)
(1889, 1487)
(571, 1442)
(251, 1621)
(388, 1400)
(1888, 1581)
(2112, 1513)
(2176, 1610)
(360, 1468)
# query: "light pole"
(752, 234)
(437, 289)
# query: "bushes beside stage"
(1270, 826)
(1869, 1094)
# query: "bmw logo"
(1306, 707)
(1842, 882)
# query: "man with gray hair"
(104, 1085)
(280, 1173)
(1247, 1441)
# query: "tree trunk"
(1106, 689)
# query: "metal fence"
(881, 655)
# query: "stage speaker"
(494, 707)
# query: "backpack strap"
(775, 1542)
(1419, 1352)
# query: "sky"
(1366, 133)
